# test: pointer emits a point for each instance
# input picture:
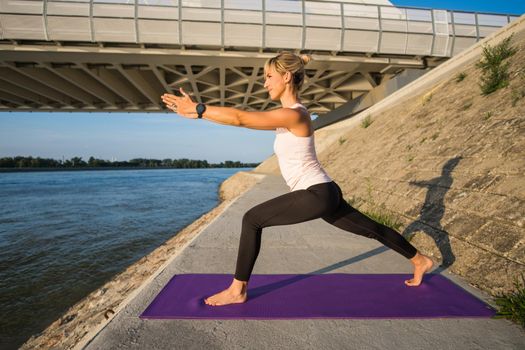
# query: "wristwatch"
(201, 108)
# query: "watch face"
(200, 108)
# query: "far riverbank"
(15, 170)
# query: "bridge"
(121, 55)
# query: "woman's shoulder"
(303, 110)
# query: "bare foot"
(234, 294)
(422, 264)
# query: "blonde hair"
(287, 61)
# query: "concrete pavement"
(310, 247)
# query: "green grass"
(341, 140)
(494, 71)
(487, 115)
(382, 217)
(460, 77)
(512, 305)
(365, 123)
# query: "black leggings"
(324, 200)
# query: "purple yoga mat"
(333, 295)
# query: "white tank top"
(298, 161)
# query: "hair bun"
(306, 58)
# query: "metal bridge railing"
(293, 24)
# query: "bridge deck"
(308, 25)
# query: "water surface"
(64, 234)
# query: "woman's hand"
(183, 105)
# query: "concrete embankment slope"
(446, 162)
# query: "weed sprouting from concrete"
(427, 99)
(365, 123)
(487, 115)
(460, 77)
(494, 71)
(512, 305)
(380, 215)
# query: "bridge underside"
(128, 79)
(120, 55)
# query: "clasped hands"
(182, 105)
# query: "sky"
(498, 6)
(123, 136)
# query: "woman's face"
(275, 83)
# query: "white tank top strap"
(297, 105)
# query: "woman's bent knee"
(251, 216)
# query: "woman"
(312, 194)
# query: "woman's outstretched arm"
(280, 118)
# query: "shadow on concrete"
(258, 291)
(431, 213)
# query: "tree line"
(78, 162)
